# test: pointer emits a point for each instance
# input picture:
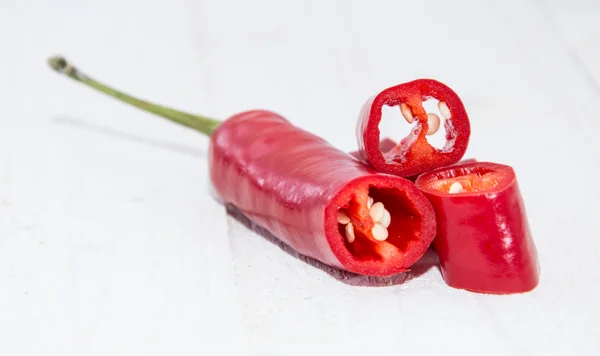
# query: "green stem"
(199, 123)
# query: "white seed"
(456, 187)
(444, 110)
(350, 233)
(376, 211)
(434, 123)
(342, 218)
(370, 202)
(405, 110)
(380, 233)
(386, 219)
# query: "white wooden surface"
(110, 241)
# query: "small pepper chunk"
(414, 155)
(483, 238)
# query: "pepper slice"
(319, 200)
(414, 154)
(483, 237)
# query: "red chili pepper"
(294, 183)
(483, 238)
(414, 155)
(319, 200)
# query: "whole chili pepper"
(319, 200)
(414, 155)
(483, 238)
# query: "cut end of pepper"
(467, 178)
(381, 228)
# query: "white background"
(111, 243)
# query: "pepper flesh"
(293, 183)
(387, 144)
(483, 237)
(413, 155)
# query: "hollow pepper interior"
(403, 229)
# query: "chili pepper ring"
(414, 155)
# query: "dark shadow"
(122, 135)
(428, 261)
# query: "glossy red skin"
(420, 156)
(483, 239)
(292, 182)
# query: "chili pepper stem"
(199, 123)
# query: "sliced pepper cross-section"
(414, 154)
(483, 237)
(385, 222)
